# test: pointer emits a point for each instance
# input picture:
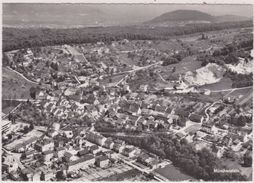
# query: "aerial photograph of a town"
(127, 92)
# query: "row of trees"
(14, 38)
(234, 47)
(228, 54)
(239, 80)
(239, 120)
(199, 164)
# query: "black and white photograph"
(134, 92)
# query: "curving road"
(207, 115)
(22, 75)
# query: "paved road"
(117, 134)
(162, 78)
(231, 89)
(207, 115)
(77, 80)
(133, 70)
(21, 99)
(145, 67)
(13, 110)
(246, 99)
(120, 81)
(22, 76)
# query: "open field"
(246, 98)
(224, 83)
(187, 64)
(235, 165)
(123, 58)
(172, 173)
(14, 86)
(8, 105)
(240, 92)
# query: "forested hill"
(193, 15)
(14, 38)
(183, 15)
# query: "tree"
(231, 59)
(247, 159)
(170, 60)
(42, 176)
(241, 121)
(60, 175)
(33, 92)
(12, 117)
(26, 129)
(23, 156)
(174, 69)
(9, 136)
(31, 127)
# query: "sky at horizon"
(113, 13)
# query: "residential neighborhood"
(175, 109)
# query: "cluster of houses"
(42, 158)
(47, 155)
(143, 115)
(46, 64)
(66, 151)
(119, 146)
(135, 115)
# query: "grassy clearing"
(14, 86)
(187, 64)
(7, 106)
(241, 93)
(123, 58)
(235, 165)
(224, 83)
(247, 98)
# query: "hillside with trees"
(194, 15)
(15, 38)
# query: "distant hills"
(192, 16)
(183, 15)
(231, 18)
(64, 15)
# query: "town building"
(102, 161)
(82, 162)
(196, 118)
(44, 145)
